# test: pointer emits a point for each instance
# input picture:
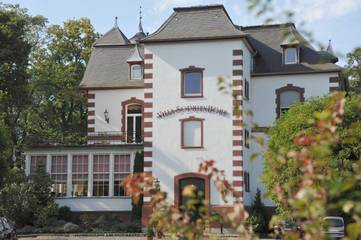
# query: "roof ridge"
(195, 7)
(115, 28)
(263, 26)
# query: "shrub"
(27, 229)
(64, 213)
(258, 217)
(71, 228)
(44, 216)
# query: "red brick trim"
(131, 101)
(91, 129)
(237, 153)
(148, 95)
(148, 124)
(288, 87)
(148, 144)
(191, 118)
(148, 85)
(237, 143)
(237, 72)
(148, 134)
(91, 113)
(148, 164)
(148, 75)
(148, 66)
(91, 104)
(237, 163)
(178, 178)
(237, 133)
(91, 96)
(237, 183)
(148, 56)
(148, 154)
(237, 52)
(148, 115)
(238, 62)
(191, 69)
(91, 121)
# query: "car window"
(334, 222)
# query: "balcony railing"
(114, 138)
(93, 138)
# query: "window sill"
(201, 147)
(200, 96)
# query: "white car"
(335, 227)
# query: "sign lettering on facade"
(192, 109)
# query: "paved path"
(82, 238)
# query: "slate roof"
(193, 23)
(267, 39)
(108, 68)
(114, 37)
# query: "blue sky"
(338, 20)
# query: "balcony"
(93, 138)
(114, 138)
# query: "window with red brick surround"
(288, 88)
(192, 82)
(192, 125)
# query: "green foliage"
(64, 213)
(5, 152)
(71, 228)
(46, 214)
(19, 34)
(258, 217)
(352, 71)
(42, 183)
(136, 214)
(344, 153)
(18, 202)
(58, 111)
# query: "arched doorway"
(200, 181)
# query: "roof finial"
(329, 48)
(116, 22)
(140, 19)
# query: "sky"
(338, 20)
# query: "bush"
(64, 213)
(27, 229)
(71, 228)
(258, 217)
(46, 215)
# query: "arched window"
(134, 123)
(136, 72)
(286, 96)
(199, 181)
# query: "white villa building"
(159, 93)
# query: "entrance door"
(199, 185)
(134, 123)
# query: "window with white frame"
(37, 162)
(121, 170)
(101, 175)
(192, 133)
(59, 174)
(136, 72)
(290, 55)
(80, 175)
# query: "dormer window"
(291, 55)
(136, 72)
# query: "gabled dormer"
(290, 49)
(135, 62)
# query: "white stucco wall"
(264, 96)
(263, 99)
(169, 159)
(112, 101)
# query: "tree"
(287, 172)
(258, 217)
(19, 35)
(58, 111)
(5, 152)
(42, 183)
(137, 206)
(352, 71)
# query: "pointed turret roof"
(114, 37)
(330, 48)
(140, 34)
